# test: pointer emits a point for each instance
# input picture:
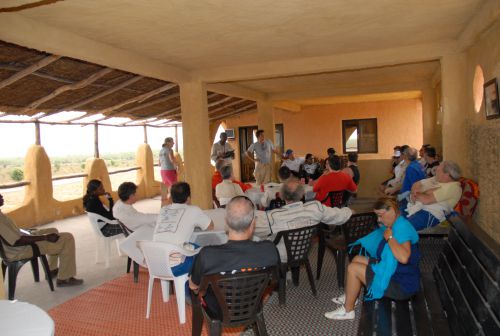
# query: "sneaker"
(69, 282)
(340, 314)
(341, 300)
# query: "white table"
(255, 194)
(24, 319)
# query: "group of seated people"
(389, 267)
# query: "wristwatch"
(390, 237)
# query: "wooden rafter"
(62, 89)
(151, 103)
(98, 96)
(239, 101)
(29, 70)
(109, 111)
(168, 112)
(28, 6)
(220, 101)
(246, 108)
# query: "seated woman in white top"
(226, 190)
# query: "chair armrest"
(103, 219)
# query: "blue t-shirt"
(413, 174)
(406, 275)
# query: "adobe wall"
(483, 136)
(316, 128)
(40, 207)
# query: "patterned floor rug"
(119, 307)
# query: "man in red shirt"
(333, 180)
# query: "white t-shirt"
(176, 223)
(132, 218)
(226, 190)
(293, 164)
(447, 196)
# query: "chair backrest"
(467, 204)
(297, 242)
(359, 225)
(239, 295)
(158, 256)
(337, 199)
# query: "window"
(360, 135)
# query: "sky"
(62, 140)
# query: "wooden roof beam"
(239, 101)
(62, 89)
(29, 70)
(220, 101)
(139, 98)
(246, 108)
(151, 103)
(97, 96)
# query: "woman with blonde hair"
(389, 266)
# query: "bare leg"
(361, 260)
(355, 279)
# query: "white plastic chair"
(157, 256)
(106, 241)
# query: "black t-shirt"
(235, 255)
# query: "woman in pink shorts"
(167, 163)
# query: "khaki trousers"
(262, 173)
(62, 251)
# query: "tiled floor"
(93, 274)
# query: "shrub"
(17, 174)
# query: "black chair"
(239, 297)
(126, 233)
(359, 225)
(338, 199)
(13, 266)
(298, 244)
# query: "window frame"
(351, 122)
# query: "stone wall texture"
(484, 149)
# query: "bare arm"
(210, 226)
(425, 197)
(401, 252)
(172, 157)
(250, 156)
(194, 287)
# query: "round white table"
(24, 319)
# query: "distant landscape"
(68, 189)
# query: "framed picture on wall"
(491, 99)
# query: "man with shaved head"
(239, 254)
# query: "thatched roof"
(32, 81)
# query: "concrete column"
(432, 131)
(454, 99)
(194, 112)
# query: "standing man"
(263, 149)
(222, 150)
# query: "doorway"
(247, 137)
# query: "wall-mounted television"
(230, 133)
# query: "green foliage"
(17, 175)
(57, 166)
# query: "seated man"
(333, 180)
(240, 253)
(50, 242)
(217, 178)
(394, 185)
(352, 167)
(226, 190)
(312, 169)
(434, 198)
(177, 221)
(431, 161)
(141, 223)
(293, 163)
(296, 214)
(270, 189)
(413, 174)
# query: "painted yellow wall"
(316, 128)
